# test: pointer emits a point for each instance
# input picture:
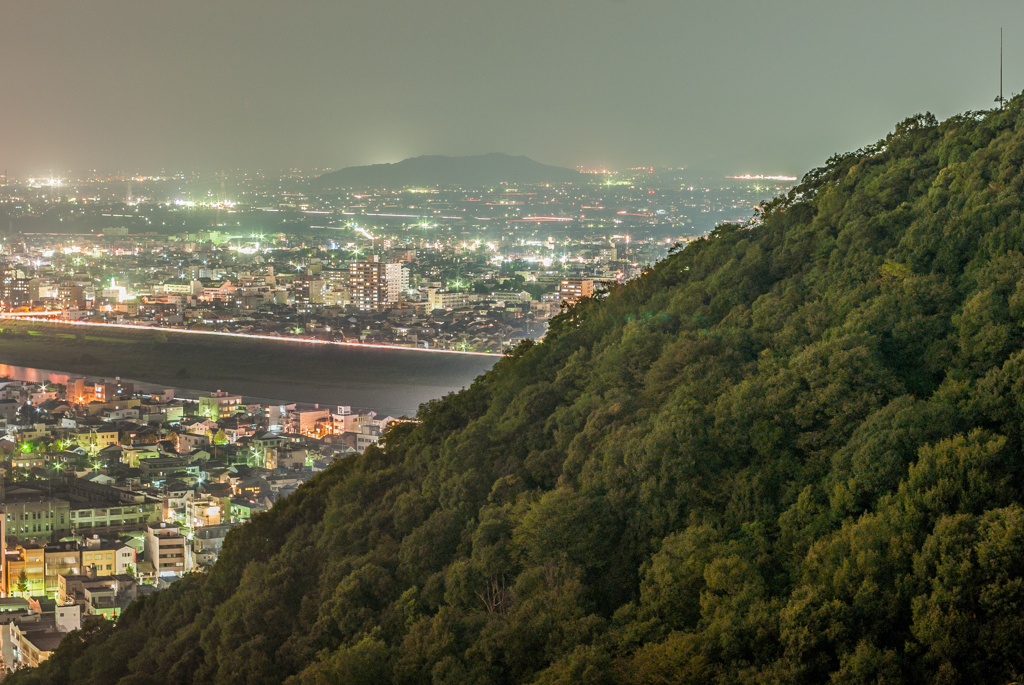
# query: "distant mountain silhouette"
(437, 170)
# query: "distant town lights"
(761, 177)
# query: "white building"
(442, 299)
(166, 550)
(396, 281)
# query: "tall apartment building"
(572, 290)
(336, 288)
(309, 293)
(105, 391)
(7, 278)
(396, 281)
(15, 289)
(19, 292)
(367, 288)
(373, 284)
(71, 296)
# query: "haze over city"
(740, 87)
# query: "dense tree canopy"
(790, 453)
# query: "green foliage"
(789, 453)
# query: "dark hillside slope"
(789, 453)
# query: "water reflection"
(31, 375)
(385, 398)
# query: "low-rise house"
(33, 647)
(97, 596)
(208, 541)
(28, 634)
(203, 512)
(59, 558)
(177, 495)
(25, 572)
(187, 442)
(368, 435)
(95, 438)
(290, 458)
(134, 455)
(162, 468)
(107, 557)
(243, 510)
(252, 488)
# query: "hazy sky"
(754, 86)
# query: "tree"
(22, 584)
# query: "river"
(385, 398)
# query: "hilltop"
(789, 453)
(450, 172)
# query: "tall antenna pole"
(1000, 67)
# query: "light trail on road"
(52, 318)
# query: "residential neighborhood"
(109, 493)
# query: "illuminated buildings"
(29, 515)
(94, 440)
(110, 516)
(16, 290)
(200, 513)
(104, 596)
(19, 292)
(367, 287)
(25, 572)
(309, 421)
(165, 549)
(396, 281)
(208, 541)
(373, 284)
(107, 557)
(572, 290)
(309, 293)
(71, 296)
(79, 390)
(443, 299)
(9, 410)
(219, 405)
(32, 647)
(7, 278)
(109, 392)
(59, 557)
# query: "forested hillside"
(791, 453)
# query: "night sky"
(743, 86)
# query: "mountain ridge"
(439, 170)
